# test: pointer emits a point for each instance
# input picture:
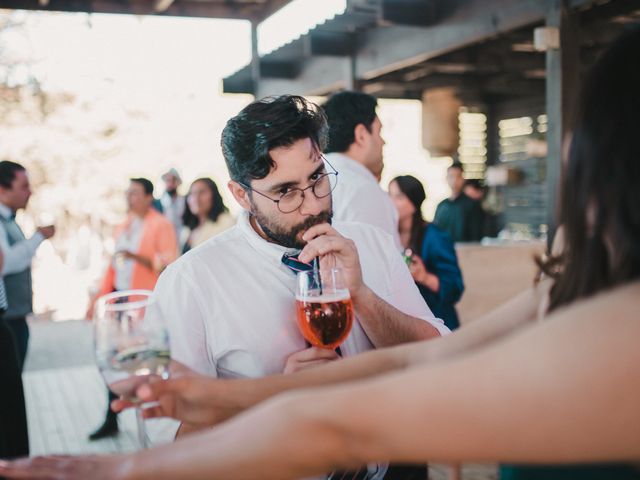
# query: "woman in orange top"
(145, 244)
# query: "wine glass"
(324, 308)
(130, 345)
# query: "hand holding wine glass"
(131, 347)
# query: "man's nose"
(311, 205)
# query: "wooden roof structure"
(252, 10)
(399, 48)
(484, 49)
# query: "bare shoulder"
(619, 303)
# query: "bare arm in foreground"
(201, 401)
(566, 389)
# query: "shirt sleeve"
(406, 297)
(178, 306)
(17, 257)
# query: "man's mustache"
(324, 217)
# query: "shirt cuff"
(440, 326)
(35, 240)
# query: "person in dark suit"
(460, 216)
(15, 191)
(14, 438)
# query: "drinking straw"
(316, 272)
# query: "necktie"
(295, 265)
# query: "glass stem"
(143, 440)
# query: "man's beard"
(288, 238)
(172, 191)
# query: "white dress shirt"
(18, 256)
(128, 240)
(358, 197)
(173, 209)
(229, 304)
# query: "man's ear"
(360, 133)
(240, 194)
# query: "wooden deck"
(66, 396)
(66, 400)
(64, 406)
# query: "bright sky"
(295, 19)
(74, 51)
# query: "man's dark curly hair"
(345, 111)
(267, 124)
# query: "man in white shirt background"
(15, 192)
(172, 203)
(230, 303)
(354, 148)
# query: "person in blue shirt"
(429, 251)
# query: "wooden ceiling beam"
(256, 11)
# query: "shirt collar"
(272, 251)
(6, 212)
(340, 161)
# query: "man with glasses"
(230, 303)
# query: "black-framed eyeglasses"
(291, 200)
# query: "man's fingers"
(322, 245)
(152, 391)
(316, 230)
(121, 404)
(153, 412)
(323, 354)
(313, 353)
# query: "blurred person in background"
(474, 189)
(205, 214)
(354, 149)
(15, 192)
(460, 216)
(173, 205)
(14, 436)
(429, 251)
(145, 243)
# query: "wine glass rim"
(117, 307)
(321, 270)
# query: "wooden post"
(351, 83)
(255, 57)
(563, 70)
(493, 140)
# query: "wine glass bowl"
(131, 346)
(324, 309)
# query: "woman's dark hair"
(600, 199)
(217, 205)
(267, 124)
(414, 191)
(345, 111)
